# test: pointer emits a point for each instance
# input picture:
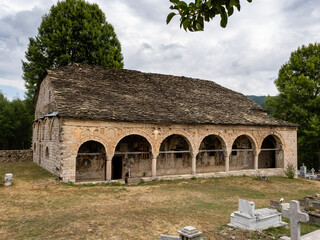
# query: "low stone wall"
(16, 155)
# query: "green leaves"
(299, 100)
(193, 15)
(73, 31)
(170, 16)
(15, 124)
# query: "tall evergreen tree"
(73, 31)
(299, 100)
(15, 124)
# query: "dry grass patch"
(38, 207)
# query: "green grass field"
(39, 207)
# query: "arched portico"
(132, 158)
(91, 162)
(242, 155)
(211, 155)
(271, 153)
(174, 156)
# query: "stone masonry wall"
(46, 144)
(16, 155)
(45, 102)
(76, 132)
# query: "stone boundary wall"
(16, 155)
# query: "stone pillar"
(109, 167)
(154, 164)
(227, 159)
(194, 162)
(256, 159)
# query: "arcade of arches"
(99, 153)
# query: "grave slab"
(249, 218)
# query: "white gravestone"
(247, 217)
(168, 237)
(303, 170)
(295, 216)
(186, 233)
(312, 171)
(8, 179)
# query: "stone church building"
(99, 124)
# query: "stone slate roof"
(100, 93)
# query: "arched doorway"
(210, 157)
(174, 156)
(242, 156)
(132, 158)
(271, 154)
(91, 162)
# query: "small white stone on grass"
(8, 179)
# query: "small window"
(34, 147)
(47, 153)
(178, 155)
(234, 153)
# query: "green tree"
(15, 124)
(73, 31)
(299, 100)
(194, 14)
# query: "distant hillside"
(258, 99)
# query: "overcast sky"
(245, 56)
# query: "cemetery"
(120, 140)
(149, 210)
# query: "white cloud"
(245, 56)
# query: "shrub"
(290, 171)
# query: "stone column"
(154, 164)
(109, 166)
(194, 162)
(256, 159)
(227, 159)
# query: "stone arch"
(183, 133)
(135, 132)
(276, 135)
(132, 157)
(210, 157)
(222, 138)
(271, 154)
(89, 138)
(242, 155)
(174, 156)
(91, 161)
(44, 128)
(252, 139)
(50, 127)
(39, 137)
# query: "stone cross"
(295, 216)
(8, 179)
(312, 171)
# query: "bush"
(290, 171)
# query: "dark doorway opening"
(117, 167)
